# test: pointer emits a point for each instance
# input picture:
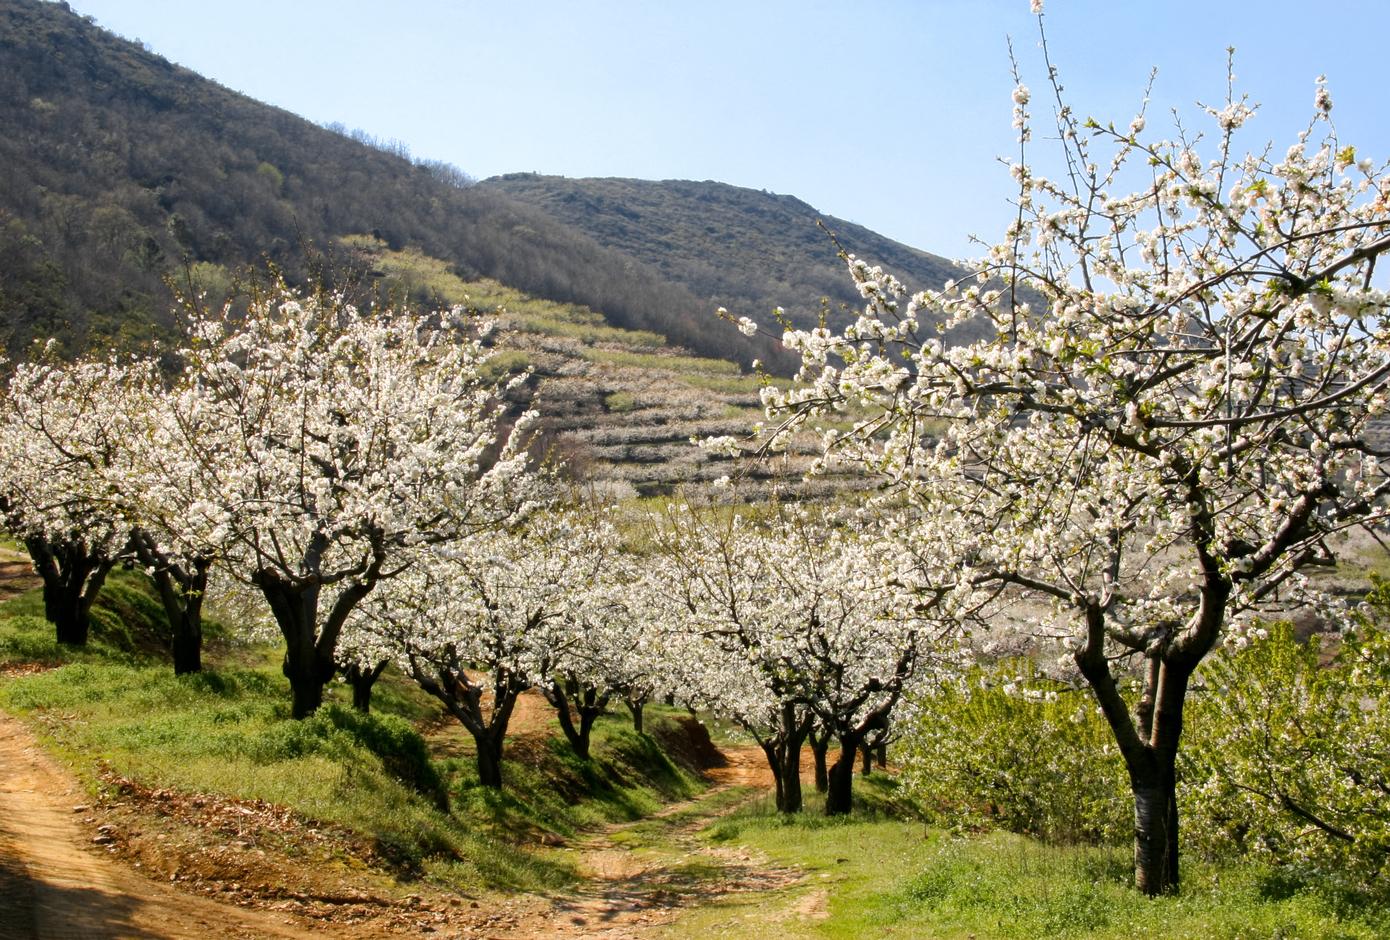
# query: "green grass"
(547, 789)
(127, 625)
(682, 365)
(620, 402)
(878, 875)
(432, 281)
(115, 707)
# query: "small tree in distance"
(803, 616)
(1164, 443)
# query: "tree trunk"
(489, 760)
(1156, 834)
(587, 703)
(182, 596)
(791, 777)
(181, 590)
(1149, 746)
(775, 764)
(820, 746)
(362, 681)
(881, 755)
(449, 682)
(67, 613)
(310, 662)
(187, 645)
(310, 646)
(636, 706)
(839, 794)
(783, 751)
(866, 763)
(1153, 781)
(72, 579)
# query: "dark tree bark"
(363, 679)
(489, 760)
(839, 795)
(182, 587)
(820, 746)
(310, 647)
(463, 697)
(1149, 746)
(783, 751)
(73, 574)
(636, 707)
(874, 751)
(852, 737)
(586, 702)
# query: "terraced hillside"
(621, 406)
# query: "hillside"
(620, 406)
(118, 168)
(743, 249)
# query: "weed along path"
(56, 882)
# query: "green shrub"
(1289, 757)
(1007, 747)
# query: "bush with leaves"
(1291, 761)
(1009, 747)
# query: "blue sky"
(890, 114)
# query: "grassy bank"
(394, 797)
(115, 712)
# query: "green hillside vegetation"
(119, 169)
(619, 405)
(743, 249)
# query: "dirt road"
(59, 879)
(55, 883)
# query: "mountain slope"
(118, 168)
(740, 248)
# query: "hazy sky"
(890, 114)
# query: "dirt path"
(643, 874)
(56, 884)
(16, 575)
(58, 881)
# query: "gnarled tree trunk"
(819, 740)
(783, 752)
(586, 702)
(73, 574)
(310, 647)
(839, 794)
(1149, 739)
(636, 707)
(363, 679)
(464, 699)
(181, 587)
